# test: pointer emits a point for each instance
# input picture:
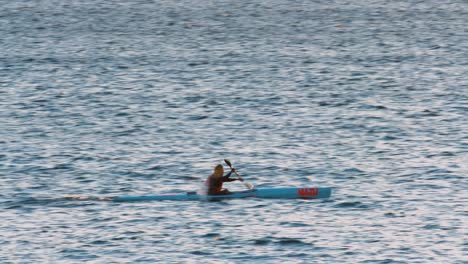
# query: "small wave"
(191, 178)
(389, 138)
(351, 205)
(441, 154)
(200, 253)
(54, 202)
(211, 235)
(86, 198)
(293, 224)
(373, 107)
(296, 255)
(353, 170)
(291, 241)
(261, 241)
(384, 261)
(431, 226)
(197, 117)
(155, 168)
(394, 215)
(99, 242)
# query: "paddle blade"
(228, 162)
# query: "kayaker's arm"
(248, 185)
(227, 179)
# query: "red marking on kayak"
(307, 192)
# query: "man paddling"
(214, 182)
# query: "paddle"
(248, 185)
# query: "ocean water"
(112, 98)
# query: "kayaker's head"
(218, 171)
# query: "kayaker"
(214, 182)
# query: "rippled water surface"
(111, 98)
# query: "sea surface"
(113, 98)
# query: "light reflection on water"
(106, 99)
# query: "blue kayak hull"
(271, 193)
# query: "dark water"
(109, 98)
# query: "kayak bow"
(273, 193)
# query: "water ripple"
(101, 99)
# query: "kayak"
(272, 193)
